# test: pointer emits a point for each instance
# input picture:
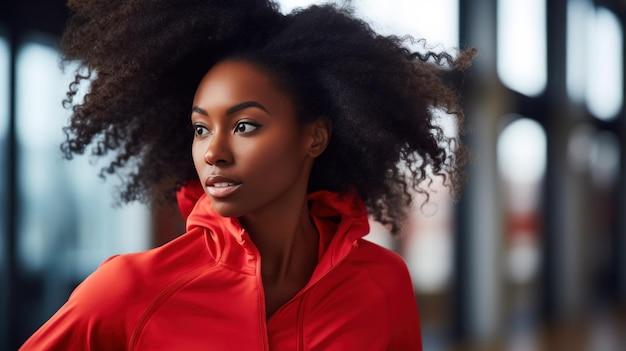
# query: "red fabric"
(187, 197)
(203, 291)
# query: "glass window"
(522, 151)
(605, 87)
(4, 88)
(522, 45)
(67, 224)
(436, 21)
(522, 165)
(521, 156)
(287, 6)
(578, 11)
(4, 122)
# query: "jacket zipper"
(303, 292)
(265, 337)
(259, 283)
(300, 315)
(300, 321)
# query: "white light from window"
(522, 45)
(578, 12)
(286, 6)
(4, 123)
(605, 88)
(4, 86)
(522, 151)
(66, 215)
(435, 21)
(40, 90)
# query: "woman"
(301, 124)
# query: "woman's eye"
(200, 130)
(245, 127)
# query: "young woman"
(301, 125)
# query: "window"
(287, 6)
(521, 156)
(578, 11)
(67, 224)
(595, 58)
(605, 88)
(522, 45)
(4, 88)
(522, 165)
(4, 126)
(436, 21)
(4, 122)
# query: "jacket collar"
(340, 218)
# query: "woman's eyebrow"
(243, 106)
(199, 110)
(234, 109)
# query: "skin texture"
(246, 131)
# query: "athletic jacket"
(203, 291)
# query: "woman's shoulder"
(110, 286)
(135, 278)
(383, 265)
(378, 255)
(388, 271)
(104, 310)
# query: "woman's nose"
(218, 150)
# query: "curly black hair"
(144, 59)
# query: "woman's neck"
(286, 239)
(288, 243)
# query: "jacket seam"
(300, 321)
(165, 294)
(387, 302)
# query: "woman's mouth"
(219, 187)
(220, 190)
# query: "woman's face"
(249, 150)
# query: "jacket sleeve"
(406, 332)
(91, 319)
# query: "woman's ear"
(319, 135)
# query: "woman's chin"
(227, 210)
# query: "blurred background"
(532, 256)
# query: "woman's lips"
(218, 186)
(219, 190)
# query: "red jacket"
(203, 291)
